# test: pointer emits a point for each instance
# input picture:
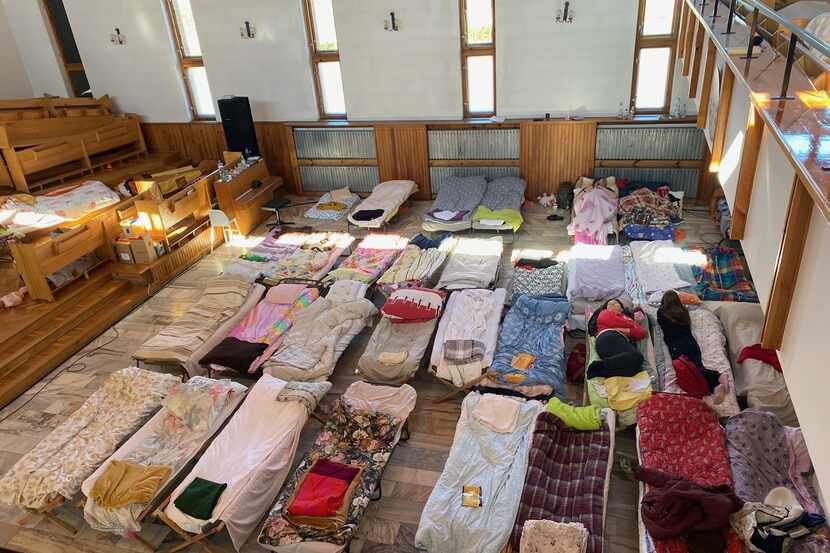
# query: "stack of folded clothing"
(333, 205)
(324, 494)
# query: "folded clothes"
(367, 214)
(463, 351)
(755, 351)
(580, 418)
(393, 357)
(491, 222)
(413, 305)
(427, 243)
(547, 536)
(543, 263)
(199, 498)
(124, 483)
(341, 194)
(234, 353)
(332, 206)
(329, 523)
(323, 489)
(446, 215)
(498, 413)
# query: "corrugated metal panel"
(677, 179)
(649, 142)
(355, 143)
(474, 144)
(438, 175)
(323, 179)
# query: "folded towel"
(341, 194)
(123, 483)
(498, 413)
(199, 498)
(393, 358)
(458, 352)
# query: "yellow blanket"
(124, 483)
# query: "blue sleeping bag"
(533, 326)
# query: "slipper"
(555, 217)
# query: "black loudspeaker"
(240, 133)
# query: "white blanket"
(474, 263)
(655, 265)
(387, 196)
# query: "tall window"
(478, 57)
(189, 51)
(71, 58)
(654, 56)
(325, 59)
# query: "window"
(189, 52)
(654, 56)
(71, 58)
(325, 59)
(478, 57)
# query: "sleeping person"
(692, 376)
(616, 331)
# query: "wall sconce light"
(565, 14)
(391, 24)
(117, 38)
(247, 30)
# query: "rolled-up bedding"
(57, 466)
(453, 208)
(360, 436)
(530, 348)
(568, 477)
(191, 414)
(322, 333)
(502, 201)
(473, 505)
(382, 204)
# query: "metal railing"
(799, 38)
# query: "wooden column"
(403, 153)
(696, 62)
(746, 173)
(684, 24)
(691, 31)
(787, 266)
(727, 82)
(553, 152)
(706, 91)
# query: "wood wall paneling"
(403, 153)
(555, 152)
(693, 82)
(787, 266)
(722, 120)
(691, 30)
(746, 173)
(706, 90)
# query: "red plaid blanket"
(565, 479)
(681, 435)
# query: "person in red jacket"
(616, 332)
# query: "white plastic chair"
(219, 219)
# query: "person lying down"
(616, 332)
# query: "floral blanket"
(359, 438)
(71, 452)
(724, 278)
(371, 258)
(647, 208)
(190, 415)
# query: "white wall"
(584, 67)
(273, 69)
(141, 76)
(41, 58)
(409, 74)
(734, 141)
(14, 83)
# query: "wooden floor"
(390, 524)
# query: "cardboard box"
(123, 251)
(143, 249)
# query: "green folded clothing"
(253, 257)
(199, 498)
(580, 418)
(509, 216)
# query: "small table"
(276, 205)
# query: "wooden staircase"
(37, 337)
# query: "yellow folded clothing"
(341, 194)
(124, 483)
(332, 206)
(625, 392)
(393, 358)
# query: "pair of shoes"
(555, 217)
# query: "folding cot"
(382, 204)
(595, 273)
(362, 432)
(191, 414)
(415, 267)
(53, 471)
(318, 252)
(473, 263)
(501, 206)
(370, 259)
(252, 456)
(453, 208)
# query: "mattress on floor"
(490, 457)
(568, 477)
(596, 273)
(57, 466)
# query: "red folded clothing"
(689, 377)
(413, 305)
(323, 489)
(755, 351)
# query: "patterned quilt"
(566, 480)
(724, 278)
(71, 452)
(370, 259)
(681, 435)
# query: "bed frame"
(47, 152)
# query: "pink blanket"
(594, 208)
